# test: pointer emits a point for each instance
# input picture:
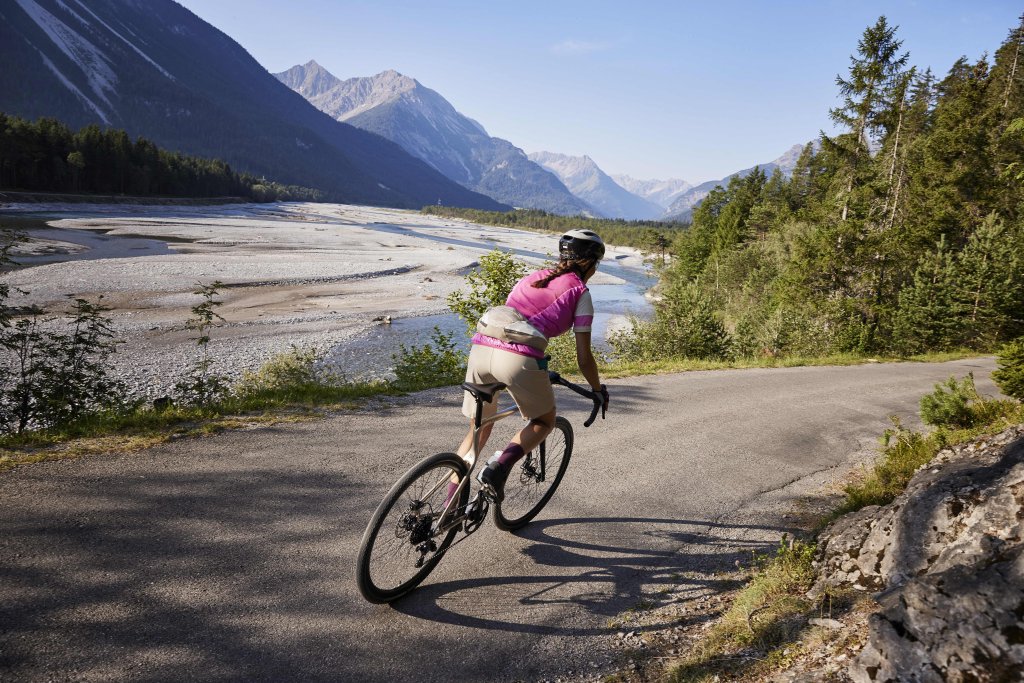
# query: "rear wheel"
(401, 544)
(533, 479)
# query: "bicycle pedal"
(491, 493)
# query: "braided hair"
(580, 266)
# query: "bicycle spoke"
(531, 483)
(401, 545)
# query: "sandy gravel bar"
(293, 274)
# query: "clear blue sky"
(653, 89)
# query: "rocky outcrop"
(947, 561)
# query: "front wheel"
(401, 544)
(533, 480)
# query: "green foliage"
(51, 376)
(204, 385)
(295, 368)
(949, 405)
(758, 615)
(489, 286)
(685, 325)
(562, 352)
(46, 156)
(1009, 376)
(1014, 170)
(435, 364)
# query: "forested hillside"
(903, 234)
(653, 236)
(46, 156)
(157, 70)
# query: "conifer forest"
(901, 234)
(47, 156)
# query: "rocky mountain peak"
(309, 78)
(586, 180)
(426, 125)
(345, 99)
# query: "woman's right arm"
(585, 359)
(588, 366)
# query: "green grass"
(767, 614)
(768, 617)
(142, 427)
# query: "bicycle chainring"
(476, 513)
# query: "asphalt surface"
(232, 557)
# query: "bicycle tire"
(389, 534)
(525, 495)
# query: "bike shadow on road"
(599, 569)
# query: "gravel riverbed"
(292, 274)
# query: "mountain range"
(661, 192)
(588, 182)
(427, 126)
(156, 70)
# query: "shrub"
(296, 367)
(1010, 375)
(685, 325)
(949, 405)
(53, 377)
(204, 386)
(435, 364)
(81, 360)
(489, 286)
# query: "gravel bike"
(417, 522)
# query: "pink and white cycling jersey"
(565, 303)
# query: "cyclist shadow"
(597, 569)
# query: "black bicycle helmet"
(580, 244)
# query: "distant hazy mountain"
(588, 182)
(682, 207)
(426, 125)
(157, 70)
(661, 192)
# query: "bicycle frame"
(479, 422)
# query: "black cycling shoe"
(493, 477)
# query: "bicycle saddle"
(483, 392)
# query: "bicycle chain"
(466, 534)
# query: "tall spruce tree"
(867, 95)
(1006, 106)
(953, 186)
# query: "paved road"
(231, 558)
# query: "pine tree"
(927, 316)
(990, 282)
(867, 94)
(952, 188)
(1006, 113)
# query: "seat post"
(476, 428)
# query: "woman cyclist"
(550, 302)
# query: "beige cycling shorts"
(529, 385)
